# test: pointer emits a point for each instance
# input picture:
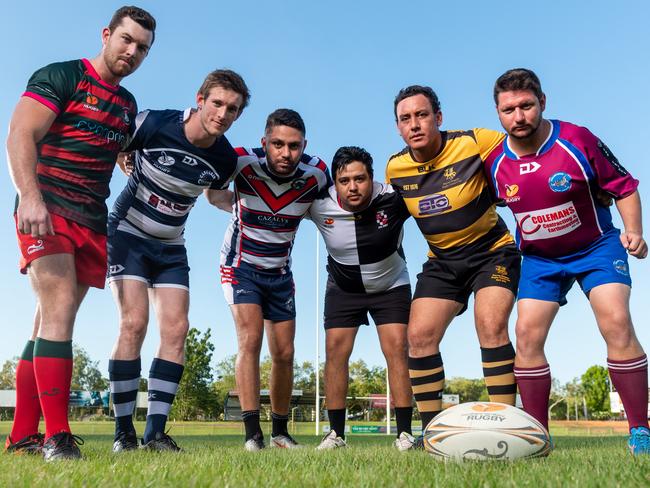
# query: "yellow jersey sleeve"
(487, 140)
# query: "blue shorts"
(550, 279)
(152, 261)
(273, 290)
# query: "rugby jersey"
(449, 195)
(552, 192)
(268, 210)
(365, 247)
(77, 155)
(170, 173)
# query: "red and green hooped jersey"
(77, 155)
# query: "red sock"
(535, 388)
(53, 369)
(28, 408)
(630, 378)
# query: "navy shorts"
(271, 289)
(550, 279)
(346, 309)
(151, 261)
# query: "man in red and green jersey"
(64, 137)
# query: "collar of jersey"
(553, 135)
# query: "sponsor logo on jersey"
(166, 207)
(115, 269)
(39, 246)
(328, 221)
(207, 177)
(410, 187)
(91, 101)
(125, 115)
(547, 223)
(189, 160)
(382, 219)
(621, 267)
(559, 182)
(102, 132)
(272, 221)
(433, 205)
(531, 167)
(512, 193)
(165, 160)
(298, 184)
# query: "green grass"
(213, 456)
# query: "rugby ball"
(485, 431)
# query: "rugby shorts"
(87, 246)
(271, 289)
(152, 261)
(457, 279)
(550, 279)
(346, 309)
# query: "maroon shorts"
(87, 246)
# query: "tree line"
(203, 389)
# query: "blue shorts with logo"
(271, 289)
(550, 279)
(152, 261)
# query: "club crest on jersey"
(621, 267)
(298, 184)
(165, 160)
(207, 177)
(382, 219)
(560, 182)
(512, 193)
(526, 168)
(433, 205)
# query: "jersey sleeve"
(487, 141)
(140, 130)
(53, 85)
(401, 210)
(488, 170)
(611, 176)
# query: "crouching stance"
(178, 156)
(361, 222)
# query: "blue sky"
(340, 65)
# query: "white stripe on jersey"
(173, 210)
(167, 182)
(149, 226)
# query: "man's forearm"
(630, 210)
(22, 156)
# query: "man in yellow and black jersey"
(439, 174)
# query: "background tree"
(595, 383)
(8, 374)
(468, 390)
(195, 397)
(85, 372)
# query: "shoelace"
(67, 437)
(166, 438)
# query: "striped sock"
(630, 378)
(53, 372)
(125, 379)
(251, 420)
(535, 389)
(428, 380)
(498, 363)
(164, 377)
(28, 407)
(279, 424)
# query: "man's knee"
(174, 334)
(283, 355)
(133, 328)
(420, 341)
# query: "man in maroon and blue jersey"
(559, 180)
(64, 137)
(274, 188)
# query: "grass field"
(594, 455)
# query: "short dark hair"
(228, 80)
(285, 116)
(347, 154)
(518, 79)
(141, 16)
(413, 90)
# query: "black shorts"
(345, 309)
(456, 279)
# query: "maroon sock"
(535, 388)
(630, 378)
(53, 369)
(28, 408)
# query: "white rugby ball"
(485, 431)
